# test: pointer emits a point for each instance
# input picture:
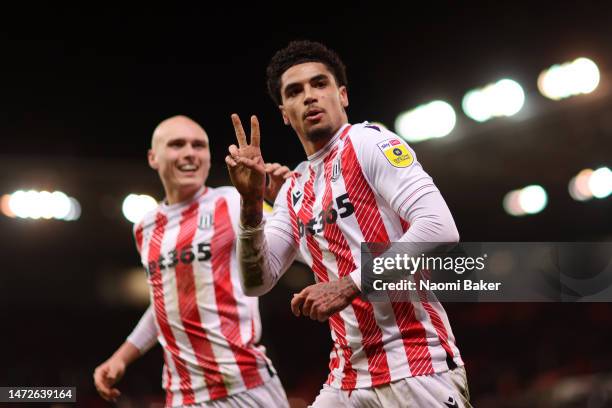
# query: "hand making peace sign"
(245, 164)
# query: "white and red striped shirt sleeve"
(412, 195)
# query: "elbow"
(452, 234)
(253, 288)
(447, 230)
(444, 229)
(254, 291)
(448, 233)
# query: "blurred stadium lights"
(40, 205)
(580, 76)
(135, 206)
(600, 182)
(579, 186)
(528, 200)
(4, 206)
(432, 120)
(588, 184)
(75, 210)
(503, 98)
(134, 287)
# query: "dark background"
(82, 90)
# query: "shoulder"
(374, 143)
(301, 168)
(228, 192)
(368, 134)
(299, 172)
(146, 223)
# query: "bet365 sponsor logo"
(186, 255)
(328, 215)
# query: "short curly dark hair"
(299, 52)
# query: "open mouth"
(188, 168)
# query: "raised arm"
(262, 258)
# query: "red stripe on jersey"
(252, 339)
(434, 316)
(292, 215)
(334, 362)
(335, 321)
(440, 329)
(188, 305)
(221, 247)
(414, 338)
(336, 241)
(138, 236)
(350, 375)
(361, 196)
(160, 308)
(344, 259)
(413, 334)
(405, 224)
(372, 335)
(345, 132)
(373, 230)
(305, 215)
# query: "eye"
(292, 92)
(176, 144)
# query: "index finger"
(240, 135)
(254, 131)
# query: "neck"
(313, 146)
(181, 195)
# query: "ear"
(284, 114)
(152, 159)
(344, 96)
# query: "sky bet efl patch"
(396, 152)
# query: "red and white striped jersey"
(208, 328)
(358, 188)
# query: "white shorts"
(447, 389)
(269, 394)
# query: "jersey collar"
(171, 207)
(325, 149)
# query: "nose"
(309, 95)
(188, 151)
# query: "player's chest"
(187, 241)
(323, 201)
